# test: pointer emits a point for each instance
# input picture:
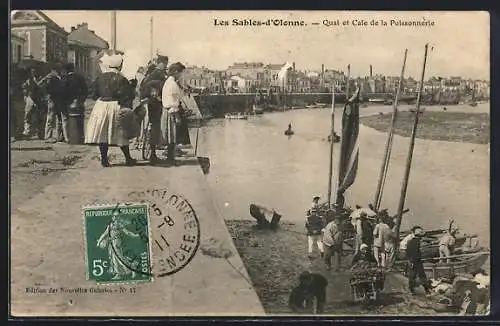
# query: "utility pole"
(113, 30)
(151, 55)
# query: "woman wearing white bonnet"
(114, 95)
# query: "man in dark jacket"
(415, 264)
(314, 225)
(75, 92)
(150, 88)
(32, 105)
(311, 286)
(366, 231)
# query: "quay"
(48, 252)
(217, 105)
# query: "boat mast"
(332, 133)
(404, 187)
(390, 137)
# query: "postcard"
(249, 163)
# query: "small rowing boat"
(256, 109)
(459, 264)
(236, 116)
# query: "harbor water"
(252, 161)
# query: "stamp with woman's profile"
(117, 243)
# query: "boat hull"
(464, 266)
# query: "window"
(19, 53)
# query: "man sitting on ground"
(364, 256)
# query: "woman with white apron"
(114, 95)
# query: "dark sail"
(349, 150)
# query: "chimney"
(322, 74)
(371, 71)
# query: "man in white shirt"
(171, 96)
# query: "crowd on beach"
(122, 110)
(375, 254)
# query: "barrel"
(76, 119)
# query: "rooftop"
(33, 17)
(82, 35)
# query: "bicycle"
(144, 141)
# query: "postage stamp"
(175, 230)
(118, 243)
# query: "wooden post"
(404, 187)
(332, 133)
(388, 145)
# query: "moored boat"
(236, 116)
(467, 261)
(257, 109)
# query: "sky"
(460, 41)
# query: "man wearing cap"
(315, 202)
(171, 96)
(151, 88)
(364, 255)
(332, 242)
(314, 226)
(415, 264)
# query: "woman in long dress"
(112, 240)
(114, 95)
(172, 94)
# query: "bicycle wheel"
(146, 144)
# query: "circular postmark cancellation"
(173, 238)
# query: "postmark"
(117, 243)
(175, 230)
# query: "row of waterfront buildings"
(35, 36)
(249, 77)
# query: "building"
(84, 48)
(202, 79)
(482, 89)
(45, 41)
(391, 84)
(248, 70)
(410, 85)
(271, 79)
(302, 82)
(334, 78)
(16, 48)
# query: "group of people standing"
(114, 121)
(48, 101)
(374, 243)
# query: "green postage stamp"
(117, 243)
